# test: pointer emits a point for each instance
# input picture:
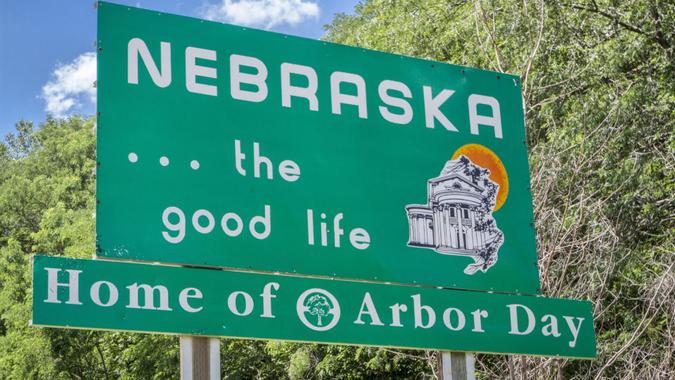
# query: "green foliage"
(340, 362)
(46, 205)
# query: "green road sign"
(97, 294)
(231, 147)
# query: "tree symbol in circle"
(318, 309)
(318, 305)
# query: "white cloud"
(262, 13)
(72, 86)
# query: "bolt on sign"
(230, 147)
(95, 294)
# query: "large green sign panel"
(229, 147)
(153, 298)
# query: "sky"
(47, 60)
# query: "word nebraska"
(394, 95)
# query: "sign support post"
(199, 358)
(457, 365)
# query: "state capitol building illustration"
(454, 219)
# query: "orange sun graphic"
(487, 159)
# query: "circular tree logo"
(318, 309)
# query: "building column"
(416, 228)
(439, 225)
(448, 225)
(432, 240)
(436, 230)
(444, 216)
(460, 218)
(412, 224)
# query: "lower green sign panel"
(96, 294)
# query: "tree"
(318, 305)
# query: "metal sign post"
(199, 358)
(457, 366)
